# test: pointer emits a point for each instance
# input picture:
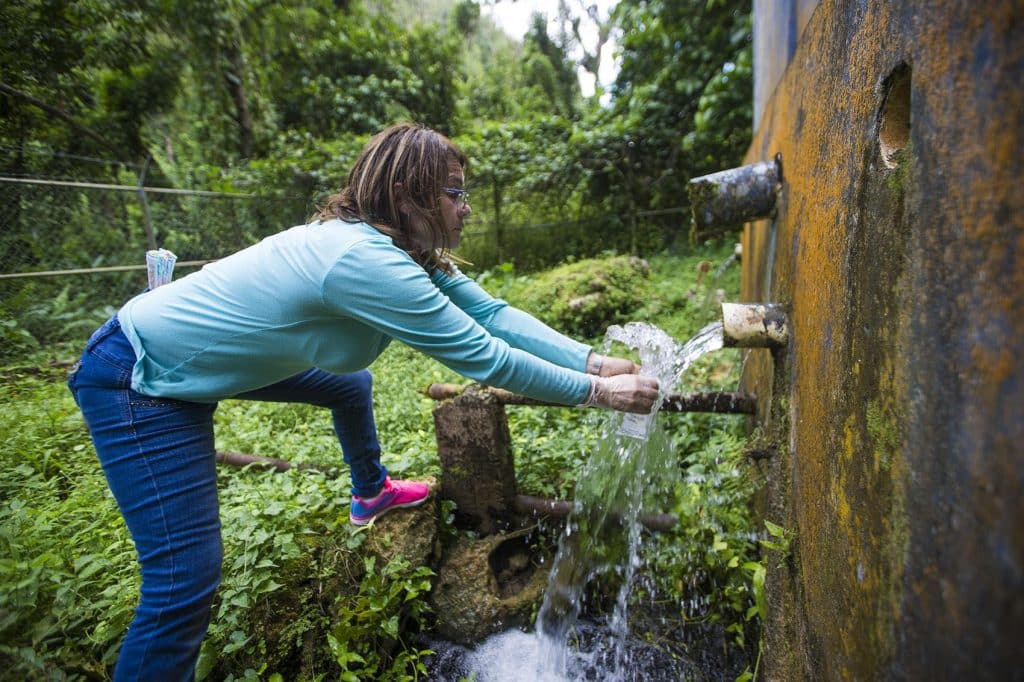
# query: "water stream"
(631, 472)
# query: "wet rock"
(411, 533)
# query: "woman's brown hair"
(396, 185)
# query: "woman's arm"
(522, 330)
(382, 287)
(517, 327)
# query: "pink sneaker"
(394, 495)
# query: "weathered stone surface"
(898, 248)
(487, 585)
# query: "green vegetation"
(883, 429)
(273, 101)
(579, 216)
(293, 569)
(297, 587)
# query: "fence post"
(147, 223)
(475, 450)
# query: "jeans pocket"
(105, 330)
(165, 415)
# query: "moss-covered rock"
(410, 533)
(586, 297)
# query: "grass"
(67, 573)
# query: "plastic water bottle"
(635, 425)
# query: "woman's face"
(454, 206)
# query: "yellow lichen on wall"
(898, 397)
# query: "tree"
(47, 95)
(590, 58)
(550, 70)
(673, 52)
(681, 103)
(466, 17)
(276, 96)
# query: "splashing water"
(514, 655)
(630, 471)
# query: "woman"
(297, 318)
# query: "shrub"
(584, 298)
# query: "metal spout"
(734, 196)
(754, 325)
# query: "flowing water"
(514, 656)
(630, 473)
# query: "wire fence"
(71, 251)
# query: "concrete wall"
(777, 26)
(898, 407)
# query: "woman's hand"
(608, 366)
(625, 392)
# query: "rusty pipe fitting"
(734, 196)
(754, 325)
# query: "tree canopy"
(277, 97)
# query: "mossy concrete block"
(487, 585)
(897, 247)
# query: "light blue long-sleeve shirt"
(333, 295)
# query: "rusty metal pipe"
(241, 459)
(723, 402)
(754, 325)
(720, 402)
(560, 509)
(445, 391)
(734, 196)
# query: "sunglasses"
(460, 196)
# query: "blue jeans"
(159, 460)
